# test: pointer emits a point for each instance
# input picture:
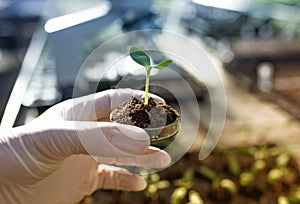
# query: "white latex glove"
(48, 160)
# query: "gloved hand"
(49, 160)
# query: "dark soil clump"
(135, 112)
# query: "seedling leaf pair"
(140, 57)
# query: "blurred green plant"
(264, 172)
(184, 189)
(154, 185)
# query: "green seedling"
(140, 57)
(155, 184)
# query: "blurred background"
(253, 43)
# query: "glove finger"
(112, 139)
(65, 138)
(152, 158)
(120, 179)
(111, 143)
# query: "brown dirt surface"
(135, 112)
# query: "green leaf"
(178, 195)
(139, 56)
(188, 175)
(234, 165)
(208, 173)
(163, 64)
(195, 198)
(229, 185)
